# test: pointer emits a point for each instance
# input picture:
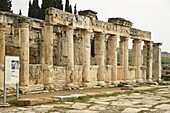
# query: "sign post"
(11, 74)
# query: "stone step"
(29, 102)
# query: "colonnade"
(151, 54)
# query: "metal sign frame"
(12, 70)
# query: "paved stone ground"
(150, 101)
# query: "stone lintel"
(120, 21)
(88, 13)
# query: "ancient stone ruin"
(57, 52)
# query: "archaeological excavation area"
(67, 50)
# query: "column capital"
(114, 36)
(157, 44)
(137, 41)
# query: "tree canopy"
(5, 5)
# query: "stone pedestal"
(112, 56)
(100, 55)
(149, 60)
(124, 56)
(47, 54)
(136, 58)
(24, 53)
(157, 62)
(86, 35)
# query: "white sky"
(151, 15)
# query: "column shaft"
(112, 55)
(126, 59)
(136, 60)
(70, 54)
(157, 62)
(47, 54)
(24, 54)
(86, 35)
(149, 60)
(100, 55)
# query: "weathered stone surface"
(131, 110)
(127, 87)
(28, 102)
(80, 105)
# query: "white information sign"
(12, 66)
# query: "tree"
(59, 4)
(5, 5)
(75, 9)
(70, 9)
(67, 6)
(20, 12)
(46, 4)
(30, 9)
(35, 9)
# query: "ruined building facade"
(57, 52)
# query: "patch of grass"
(159, 104)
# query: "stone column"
(47, 54)
(24, 53)
(121, 51)
(112, 56)
(59, 50)
(157, 62)
(100, 56)
(136, 59)
(86, 35)
(145, 60)
(149, 60)
(70, 53)
(2, 43)
(124, 56)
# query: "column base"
(116, 82)
(102, 83)
(140, 81)
(149, 80)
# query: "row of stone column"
(68, 54)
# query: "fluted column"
(112, 56)
(24, 53)
(100, 55)
(157, 62)
(86, 35)
(47, 53)
(149, 60)
(2, 42)
(136, 58)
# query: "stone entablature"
(56, 52)
(114, 26)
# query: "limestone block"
(29, 102)
(132, 73)
(36, 74)
(93, 73)
(59, 77)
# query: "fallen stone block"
(127, 87)
(28, 102)
(70, 96)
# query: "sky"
(149, 15)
